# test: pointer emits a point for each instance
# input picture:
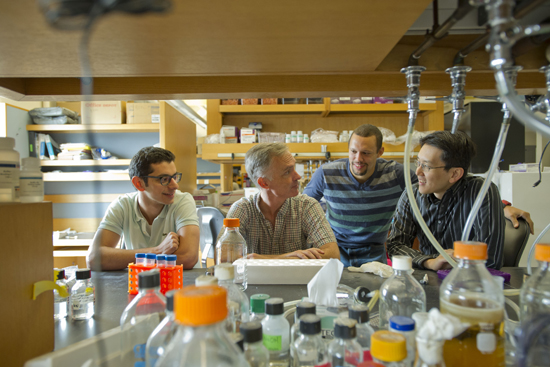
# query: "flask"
(254, 350)
(31, 181)
(360, 313)
(140, 259)
(237, 301)
(306, 138)
(150, 259)
(161, 261)
(430, 353)
(400, 294)
(231, 247)
(344, 350)
(141, 317)
(201, 338)
(405, 326)
(163, 333)
(60, 303)
(9, 176)
(82, 296)
(257, 306)
(276, 332)
(206, 280)
(309, 349)
(302, 308)
(348, 296)
(471, 294)
(171, 260)
(388, 348)
(300, 137)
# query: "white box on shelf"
(103, 112)
(281, 271)
(524, 167)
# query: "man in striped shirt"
(445, 194)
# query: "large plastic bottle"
(9, 170)
(31, 181)
(237, 300)
(471, 294)
(400, 294)
(276, 333)
(163, 333)
(231, 247)
(141, 317)
(201, 338)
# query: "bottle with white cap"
(293, 136)
(401, 294)
(9, 170)
(300, 137)
(237, 300)
(306, 138)
(31, 181)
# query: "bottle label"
(8, 172)
(273, 342)
(31, 186)
(79, 301)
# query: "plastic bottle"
(388, 348)
(293, 136)
(400, 294)
(276, 332)
(471, 294)
(140, 259)
(206, 280)
(60, 309)
(231, 247)
(9, 170)
(257, 307)
(161, 261)
(201, 338)
(150, 259)
(82, 296)
(163, 333)
(360, 313)
(141, 317)
(171, 260)
(344, 350)
(302, 308)
(31, 181)
(300, 137)
(306, 138)
(309, 349)
(430, 353)
(287, 138)
(405, 326)
(237, 301)
(255, 352)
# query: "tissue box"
(282, 271)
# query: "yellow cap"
(231, 222)
(197, 306)
(388, 346)
(470, 250)
(542, 252)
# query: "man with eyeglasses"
(157, 218)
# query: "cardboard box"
(73, 106)
(142, 113)
(103, 112)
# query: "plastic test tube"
(161, 261)
(150, 259)
(140, 259)
(171, 260)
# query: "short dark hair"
(458, 149)
(140, 165)
(367, 130)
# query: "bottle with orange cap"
(231, 247)
(388, 348)
(471, 294)
(201, 338)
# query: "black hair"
(367, 130)
(140, 165)
(458, 149)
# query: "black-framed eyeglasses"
(165, 180)
(425, 167)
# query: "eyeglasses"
(165, 180)
(425, 167)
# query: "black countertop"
(112, 298)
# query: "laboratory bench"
(112, 297)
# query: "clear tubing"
(532, 249)
(410, 193)
(492, 169)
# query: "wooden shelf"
(282, 108)
(390, 107)
(86, 163)
(208, 174)
(79, 128)
(85, 176)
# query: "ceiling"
(221, 49)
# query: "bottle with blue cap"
(163, 334)
(171, 260)
(140, 259)
(405, 326)
(150, 259)
(161, 261)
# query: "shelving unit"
(116, 128)
(84, 163)
(85, 176)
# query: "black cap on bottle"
(251, 331)
(310, 324)
(361, 294)
(344, 328)
(149, 279)
(170, 300)
(359, 313)
(83, 274)
(60, 274)
(304, 308)
(274, 306)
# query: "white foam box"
(281, 271)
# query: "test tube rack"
(170, 277)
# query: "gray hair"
(258, 159)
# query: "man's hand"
(169, 245)
(439, 262)
(514, 213)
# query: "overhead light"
(188, 112)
